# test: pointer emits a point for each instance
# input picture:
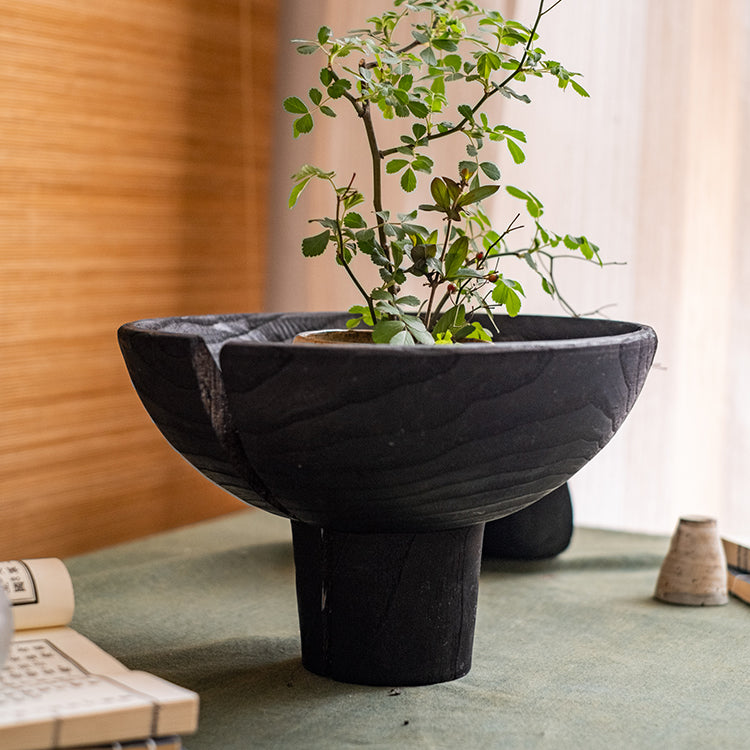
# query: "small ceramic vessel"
(694, 572)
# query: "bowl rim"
(622, 333)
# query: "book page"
(78, 650)
(40, 592)
(58, 690)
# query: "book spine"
(737, 556)
(738, 583)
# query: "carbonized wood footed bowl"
(376, 439)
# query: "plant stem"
(377, 176)
(434, 285)
(341, 256)
(362, 108)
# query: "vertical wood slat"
(129, 166)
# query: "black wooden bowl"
(371, 442)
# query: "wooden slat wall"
(133, 142)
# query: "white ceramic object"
(694, 572)
(6, 626)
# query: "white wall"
(651, 169)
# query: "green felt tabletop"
(570, 653)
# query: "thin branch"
(434, 285)
(340, 254)
(551, 7)
(487, 94)
(377, 176)
(362, 109)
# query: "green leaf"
(505, 294)
(480, 332)
(490, 169)
(295, 105)
(534, 206)
(408, 180)
(440, 194)
(302, 124)
(586, 249)
(572, 243)
(326, 77)
(397, 252)
(309, 170)
(456, 256)
(326, 110)
(354, 221)
(445, 45)
(465, 111)
(509, 38)
(508, 92)
(364, 312)
(454, 189)
(385, 330)
(353, 199)
(307, 49)
(455, 318)
(487, 63)
(403, 338)
(405, 82)
(462, 332)
(452, 61)
(315, 96)
(418, 331)
(469, 166)
(312, 246)
(395, 165)
(338, 87)
(515, 151)
(434, 264)
(324, 34)
(296, 190)
(518, 135)
(428, 55)
(517, 192)
(478, 194)
(579, 89)
(408, 301)
(422, 164)
(418, 108)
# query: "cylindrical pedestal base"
(387, 609)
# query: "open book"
(60, 690)
(738, 569)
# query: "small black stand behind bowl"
(537, 532)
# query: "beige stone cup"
(694, 572)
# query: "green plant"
(404, 65)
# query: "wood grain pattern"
(133, 147)
(376, 439)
